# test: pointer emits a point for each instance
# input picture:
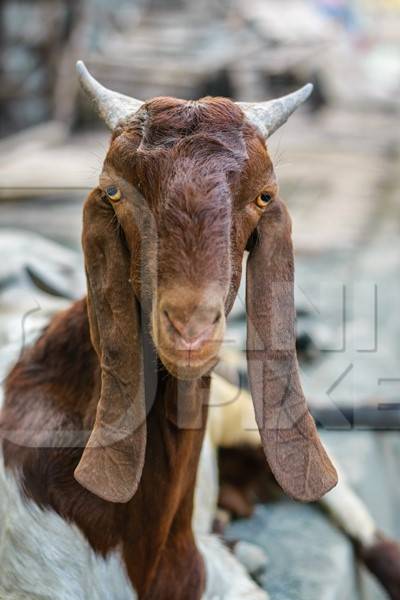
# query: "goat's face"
(185, 180)
(184, 186)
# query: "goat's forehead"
(181, 140)
(183, 113)
(167, 121)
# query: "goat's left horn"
(111, 106)
(269, 116)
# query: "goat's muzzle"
(188, 329)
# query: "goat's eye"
(113, 193)
(263, 199)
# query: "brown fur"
(96, 399)
(244, 480)
(383, 560)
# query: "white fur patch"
(43, 557)
(226, 577)
(206, 494)
(252, 557)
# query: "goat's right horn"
(111, 106)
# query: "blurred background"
(338, 163)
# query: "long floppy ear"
(288, 433)
(112, 462)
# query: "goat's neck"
(175, 426)
(57, 382)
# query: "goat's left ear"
(290, 440)
(112, 462)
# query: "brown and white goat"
(103, 418)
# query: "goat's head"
(186, 187)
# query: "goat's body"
(44, 557)
(58, 540)
(51, 398)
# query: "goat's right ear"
(112, 462)
(291, 443)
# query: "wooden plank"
(37, 136)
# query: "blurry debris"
(286, 21)
(7, 280)
(51, 264)
(48, 165)
(219, 83)
(66, 83)
(37, 279)
(33, 38)
(190, 54)
(363, 416)
(312, 335)
(341, 11)
(204, 49)
(51, 283)
(245, 480)
(189, 49)
(305, 347)
(32, 139)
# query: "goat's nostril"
(217, 318)
(171, 321)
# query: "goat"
(104, 416)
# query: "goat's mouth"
(188, 366)
(186, 361)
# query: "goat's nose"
(193, 328)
